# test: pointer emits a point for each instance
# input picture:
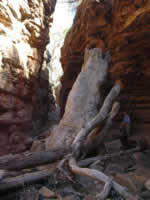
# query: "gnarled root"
(106, 190)
(100, 177)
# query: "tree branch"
(103, 113)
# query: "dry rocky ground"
(130, 170)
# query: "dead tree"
(84, 99)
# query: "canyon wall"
(25, 95)
(122, 27)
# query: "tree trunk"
(83, 100)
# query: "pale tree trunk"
(83, 100)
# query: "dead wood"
(18, 181)
(89, 126)
(106, 190)
(108, 123)
(84, 99)
(89, 161)
(9, 157)
(32, 160)
(95, 140)
(6, 173)
(95, 174)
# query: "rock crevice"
(24, 81)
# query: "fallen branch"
(100, 177)
(33, 159)
(6, 173)
(19, 181)
(88, 161)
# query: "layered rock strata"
(24, 86)
(122, 27)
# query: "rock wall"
(24, 86)
(122, 27)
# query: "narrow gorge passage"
(105, 73)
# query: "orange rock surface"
(24, 87)
(123, 28)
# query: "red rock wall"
(122, 27)
(24, 86)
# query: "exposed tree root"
(106, 190)
(95, 174)
(61, 167)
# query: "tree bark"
(89, 126)
(41, 158)
(83, 101)
(33, 159)
(108, 124)
(19, 181)
(95, 139)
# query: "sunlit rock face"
(122, 27)
(24, 86)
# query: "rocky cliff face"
(24, 86)
(122, 27)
